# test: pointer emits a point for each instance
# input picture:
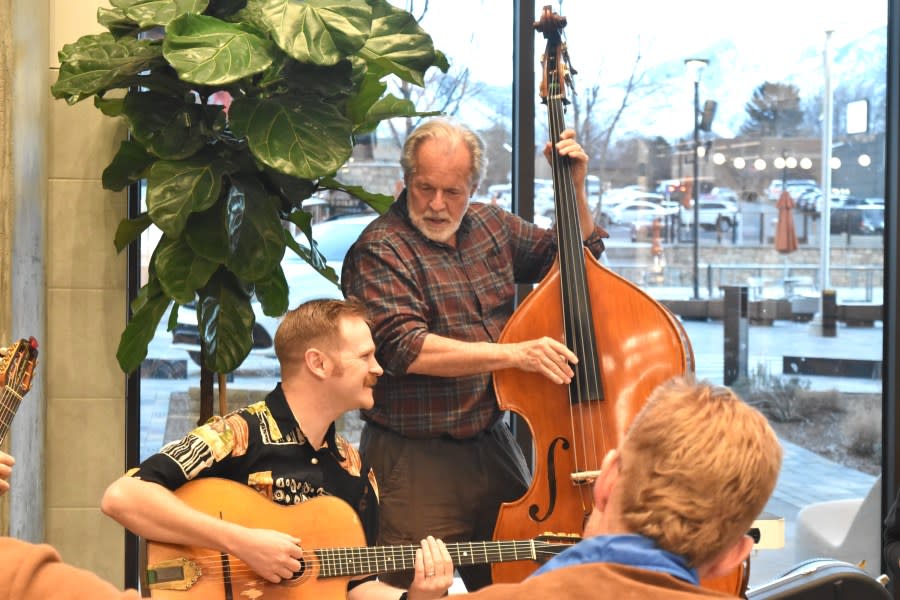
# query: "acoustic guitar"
(334, 549)
(17, 363)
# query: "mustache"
(371, 380)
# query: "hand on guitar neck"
(17, 364)
(6, 465)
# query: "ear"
(609, 475)
(316, 362)
(729, 559)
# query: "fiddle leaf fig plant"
(237, 111)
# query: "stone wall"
(375, 176)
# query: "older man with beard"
(438, 275)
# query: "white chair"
(847, 530)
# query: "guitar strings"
(211, 565)
(587, 385)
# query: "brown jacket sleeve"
(37, 571)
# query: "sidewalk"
(806, 477)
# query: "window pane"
(758, 120)
(757, 114)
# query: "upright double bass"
(627, 344)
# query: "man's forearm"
(444, 357)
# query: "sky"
(604, 38)
(601, 33)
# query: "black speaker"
(709, 113)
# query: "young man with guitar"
(672, 505)
(285, 448)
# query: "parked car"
(714, 214)
(333, 239)
(773, 192)
(613, 198)
(858, 220)
(631, 211)
(721, 193)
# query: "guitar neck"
(343, 562)
(8, 407)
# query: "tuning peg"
(4, 350)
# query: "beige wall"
(86, 304)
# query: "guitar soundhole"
(298, 574)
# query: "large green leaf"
(206, 233)
(303, 137)
(370, 91)
(208, 51)
(96, 63)
(166, 126)
(225, 322)
(293, 191)
(181, 272)
(380, 203)
(175, 189)
(111, 107)
(256, 241)
(328, 82)
(314, 257)
(272, 293)
(149, 307)
(398, 45)
(321, 32)
(115, 20)
(150, 13)
(130, 229)
(390, 107)
(127, 166)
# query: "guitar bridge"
(177, 574)
(584, 477)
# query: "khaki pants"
(451, 489)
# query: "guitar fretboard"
(342, 562)
(8, 407)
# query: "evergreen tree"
(774, 110)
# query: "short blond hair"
(697, 467)
(312, 322)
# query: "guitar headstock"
(17, 363)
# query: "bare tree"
(444, 92)
(595, 131)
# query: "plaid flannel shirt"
(413, 286)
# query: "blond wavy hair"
(451, 131)
(697, 467)
(313, 322)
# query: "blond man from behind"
(672, 505)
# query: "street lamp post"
(695, 66)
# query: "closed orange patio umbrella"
(785, 232)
